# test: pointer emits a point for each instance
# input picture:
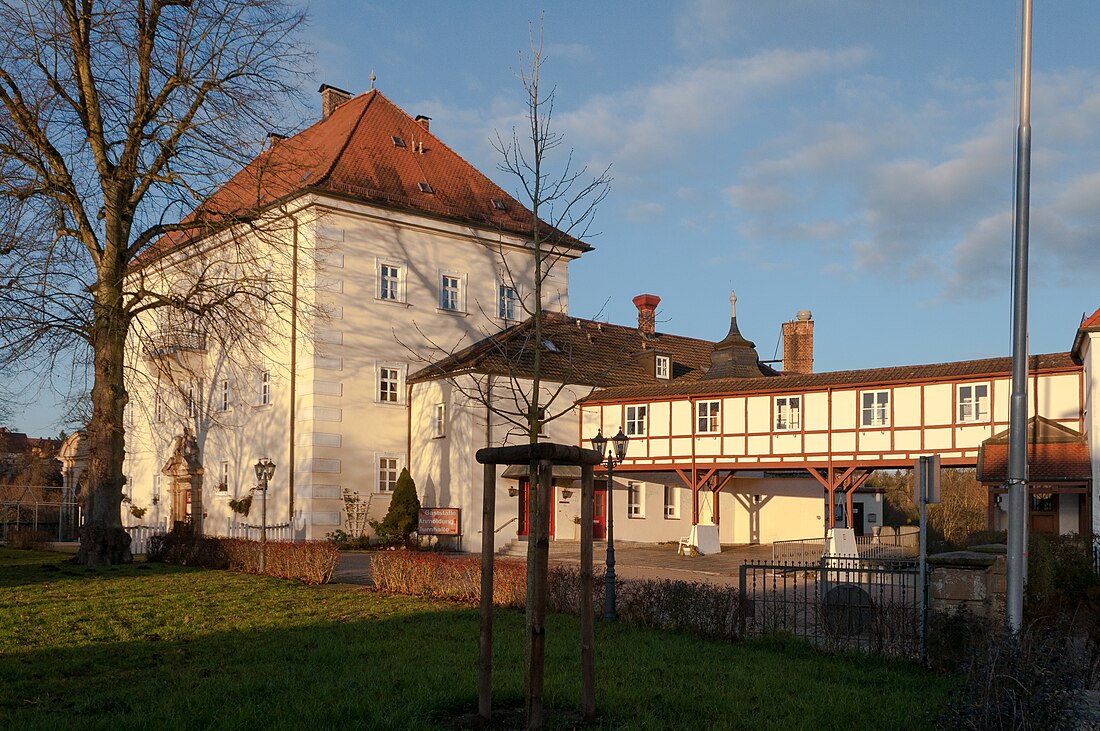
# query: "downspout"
(293, 367)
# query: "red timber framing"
(845, 482)
(712, 480)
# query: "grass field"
(165, 647)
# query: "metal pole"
(923, 476)
(263, 526)
(1017, 426)
(609, 575)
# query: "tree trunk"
(102, 538)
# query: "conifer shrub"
(401, 519)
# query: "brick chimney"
(798, 344)
(647, 312)
(331, 97)
(425, 122)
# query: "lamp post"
(614, 456)
(265, 469)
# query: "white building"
(398, 250)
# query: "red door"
(599, 516)
(525, 497)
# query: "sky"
(851, 157)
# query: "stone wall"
(973, 580)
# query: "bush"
(312, 562)
(401, 518)
(25, 539)
(1028, 681)
(457, 579)
(345, 542)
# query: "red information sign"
(438, 522)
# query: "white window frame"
(455, 284)
(386, 373)
(263, 388)
(708, 417)
(225, 474)
(508, 308)
(974, 407)
(194, 398)
(393, 466)
(635, 499)
(392, 276)
(672, 502)
(636, 418)
(439, 420)
(662, 367)
(877, 414)
(788, 413)
(224, 390)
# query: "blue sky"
(851, 157)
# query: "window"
(425, 188)
(788, 413)
(450, 293)
(707, 413)
(498, 204)
(635, 500)
(974, 402)
(506, 302)
(223, 484)
(224, 393)
(635, 421)
(158, 406)
(387, 473)
(265, 388)
(389, 384)
(439, 421)
(397, 141)
(662, 367)
(194, 395)
(543, 423)
(390, 281)
(672, 503)
(876, 408)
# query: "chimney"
(647, 313)
(274, 138)
(331, 97)
(425, 122)
(798, 344)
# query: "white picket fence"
(140, 535)
(277, 532)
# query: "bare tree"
(116, 119)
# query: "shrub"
(312, 562)
(345, 542)
(25, 539)
(443, 577)
(1027, 681)
(401, 518)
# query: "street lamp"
(265, 469)
(614, 456)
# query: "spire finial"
(733, 304)
(372, 78)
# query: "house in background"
(402, 251)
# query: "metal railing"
(888, 543)
(38, 509)
(869, 605)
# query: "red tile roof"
(1055, 453)
(987, 367)
(1089, 324)
(352, 154)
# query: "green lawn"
(155, 646)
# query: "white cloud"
(568, 52)
(643, 126)
(645, 211)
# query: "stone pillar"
(972, 580)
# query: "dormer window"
(662, 367)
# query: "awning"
(559, 472)
(1055, 454)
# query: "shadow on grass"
(173, 648)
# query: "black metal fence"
(866, 604)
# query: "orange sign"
(438, 522)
